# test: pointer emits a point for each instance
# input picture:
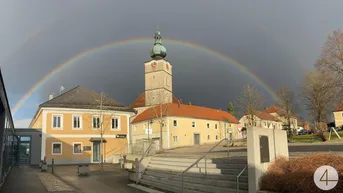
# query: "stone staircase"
(162, 173)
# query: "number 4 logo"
(326, 177)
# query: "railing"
(239, 175)
(198, 160)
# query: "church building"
(158, 109)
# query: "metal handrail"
(146, 152)
(239, 175)
(197, 161)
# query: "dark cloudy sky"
(276, 40)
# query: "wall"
(338, 118)
(278, 146)
(68, 135)
(260, 123)
(184, 131)
(36, 142)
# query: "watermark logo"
(325, 177)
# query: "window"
(77, 148)
(193, 124)
(57, 121)
(176, 139)
(208, 125)
(265, 124)
(115, 123)
(215, 126)
(175, 123)
(342, 114)
(56, 148)
(96, 122)
(255, 123)
(245, 125)
(77, 122)
(224, 125)
(208, 137)
(216, 137)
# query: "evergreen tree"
(230, 108)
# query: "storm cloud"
(277, 41)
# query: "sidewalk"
(25, 179)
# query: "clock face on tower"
(153, 64)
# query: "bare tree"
(332, 54)
(160, 110)
(319, 94)
(100, 123)
(286, 99)
(250, 100)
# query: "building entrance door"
(24, 150)
(196, 139)
(96, 151)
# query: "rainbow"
(91, 51)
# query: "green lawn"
(314, 139)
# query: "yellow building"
(338, 115)
(183, 125)
(261, 119)
(71, 124)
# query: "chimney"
(178, 103)
(61, 89)
(51, 96)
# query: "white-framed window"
(208, 137)
(96, 122)
(115, 123)
(215, 126)
(216, 137)
(265, 124)
(175, 123)
(57, 121)
(208, 125)
(77, 122)
(56, 148)
(255, 123)
(176, 139)
(77, 148)
(193, 124)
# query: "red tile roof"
(266, 116)
(187, 111)
(339, 107)
(140, 101)
(278, 110)
(273, 109)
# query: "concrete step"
(189, 186)
(233, 171)
(226, 177)
(197, 180)
(200, 165)
(192, 160)
(165, 187)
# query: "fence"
(141, 146)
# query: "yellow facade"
(183, 133)
(338, 118)
(66, 136)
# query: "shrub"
(296, 175)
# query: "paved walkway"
(112, 179)
(25, 179)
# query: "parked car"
(302, 132)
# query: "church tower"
(158, 75)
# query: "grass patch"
(315, 139)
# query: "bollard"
(52, 165)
